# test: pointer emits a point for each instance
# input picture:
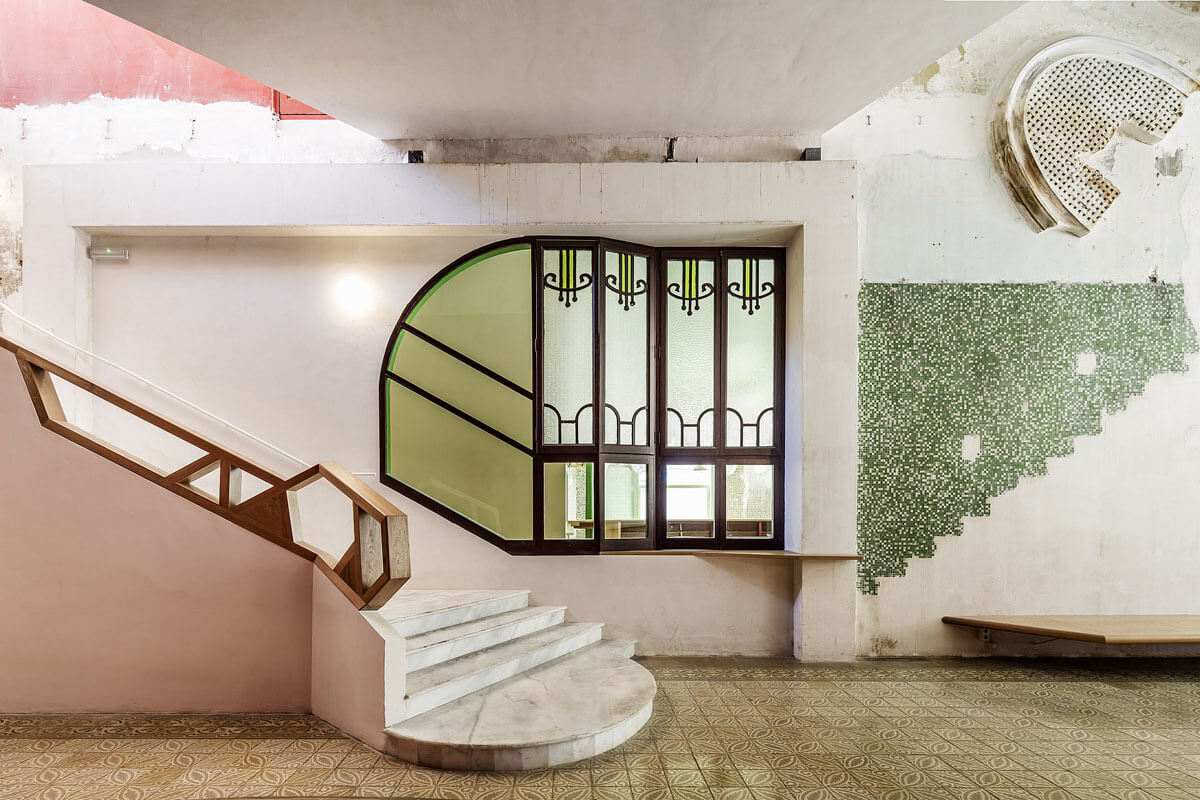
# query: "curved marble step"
(444, 644)
(416, 611)
(441, 683)
(569, 709)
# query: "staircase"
(493, 683)
(489, 682)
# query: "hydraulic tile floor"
(723, 729)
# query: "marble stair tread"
(441, 683)
(415, 611)
(574, 707)
(444, 644)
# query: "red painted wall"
(64, 51)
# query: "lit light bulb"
(354, 296)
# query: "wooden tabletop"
(1102, 628)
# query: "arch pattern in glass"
(561, 395)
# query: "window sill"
(739, 554)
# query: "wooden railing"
(373, 567)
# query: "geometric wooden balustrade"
(374, 566)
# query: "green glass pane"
(570, 500)
(460, 466)
(484, 310)
(750, 374)
(465, 388)
(625, 490)
(749, 501)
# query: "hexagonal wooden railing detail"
(371, 570)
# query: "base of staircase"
(562, 711)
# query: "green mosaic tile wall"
(939, 362)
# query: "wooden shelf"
(739, 554)
(1100, 628)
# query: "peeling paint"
(1169, 164)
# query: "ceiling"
(474, 69)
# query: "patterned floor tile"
(723, 729)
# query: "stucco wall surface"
(1108, 524)
(120, 596)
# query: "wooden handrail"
(372, 569)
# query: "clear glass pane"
(691, 493)
(455, 463)
(749, 501)
(464, 387)
(625, 491)
(626, 348)
(690, 358)
(750, 371)
(570, 500)
(567, 347)
(483, 309)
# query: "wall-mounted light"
(354, 296)
(108, 253)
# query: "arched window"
(496, 374)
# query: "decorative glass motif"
(626, 283)
(750, 342)
(626, 350)
(568, 346)
(691, 288)
(751, 289)
(569, 280)
(690, 353)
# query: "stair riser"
(452, 690)
(439, 653)
(411, 626)
(534, 756)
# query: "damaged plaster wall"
(104, 129)
(1111, 526)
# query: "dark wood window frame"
(656, 454)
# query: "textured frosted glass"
(484, 310)
(626, 344)
(464, 387)
(570, 500)
(567, 344)
(451, 461)
(749, 500)
(750, 374)
(690, 357)
(625, 490)
(691, 493)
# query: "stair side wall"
(122, 597)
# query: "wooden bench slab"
(1102, 628)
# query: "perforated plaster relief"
(1065, 104)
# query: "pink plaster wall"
(116, 595)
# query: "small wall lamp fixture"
(108, 253)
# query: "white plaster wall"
(933, 208)
(1111, 528)
(249, 329)
(104, 129)
(244, 325)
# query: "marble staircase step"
(415, 611)
(441, 683)
(574, 707)
(436, 646)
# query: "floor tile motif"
(723, 729)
